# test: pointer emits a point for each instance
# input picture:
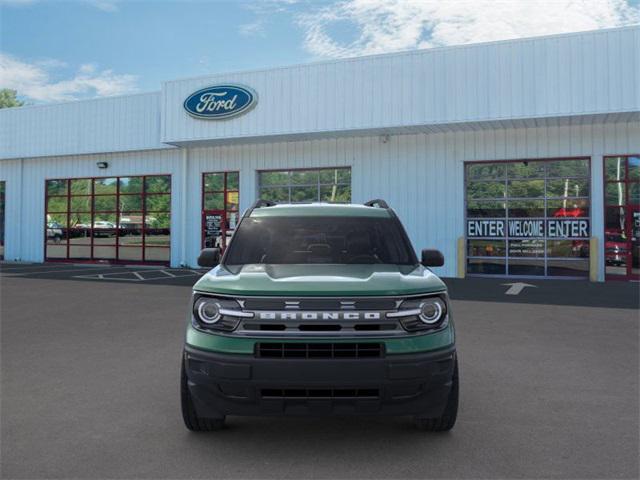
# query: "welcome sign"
(528, 228)
(220, 102)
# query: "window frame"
(92, 212)
(506, 199)
(318, 184)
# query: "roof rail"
(259, 204)
(378, 202)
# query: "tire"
(191, 419)
(447, 420)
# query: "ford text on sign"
(525, 228)
(220, 102)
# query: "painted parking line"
(142, 275)
(38, 271)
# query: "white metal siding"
(112, 124)
(557, 76)
(420, 175)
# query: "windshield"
(312, 240)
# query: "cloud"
(391, 25)
(34, 80)
(252, 29)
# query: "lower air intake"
(319, 350)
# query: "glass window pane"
(158, 220)
(274, 178)
(564, 268)
(614, 168)
(105, 186)
(214, 201)
(568, 248)
(615, 193)
(158, 184)
(213, 182)
(525, 208)
(57, 204)
(575, 207)
(486, 248)
(130, 185)
(568, 188)
(158, 203)
(276, 194)
(81, 186)
(634, 193)
(56, 187)
(233, 180)
(104, 252)
(568, 168)
(634, 168)
(486, 171)
(156, 254)
(104, 220)
(335, 193)
(105, 203)
(56, 233)
(486, 190)
(59, 220)
(305, 177)
(80, 235)
(525, 188)
(80, 251)
(526, 169)
(56, 250)
(132, 254)
(486, 266)
(526, 248)
(335, 175)
(485, 209)
(81, 204)
(614, 219)
(157, 238)
(130, 234)
(130, 203)
(232, 200)
(80, 220)
(304, 194)
(518, 266)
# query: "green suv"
(320, 309)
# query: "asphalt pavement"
(90, 367)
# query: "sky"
(55, 50)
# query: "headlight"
(217, 313)
(431, 311)
(208, 310)
(417, 314)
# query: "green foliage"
(8, 98)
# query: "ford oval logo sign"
(220, 102)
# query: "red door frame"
(92, 195)
(222, 212)
(628, 211)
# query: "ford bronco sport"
(319, 309)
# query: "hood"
(321, 280)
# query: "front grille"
(332, 393)
(320, 304)
(319, 350)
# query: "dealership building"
(517, 158)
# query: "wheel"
(191, 419)
(447, 420)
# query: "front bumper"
(228, 384)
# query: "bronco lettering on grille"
(319, 315)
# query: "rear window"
(311, 240)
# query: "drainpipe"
(183, 207)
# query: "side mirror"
(432, 258)
(209, 257)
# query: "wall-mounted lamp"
(102, 164)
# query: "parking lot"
(90, 364)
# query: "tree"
(8, 98)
